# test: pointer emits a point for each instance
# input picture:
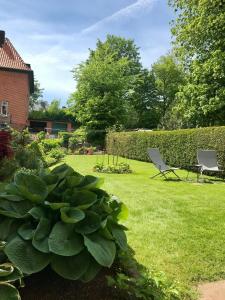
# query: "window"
(4, 108)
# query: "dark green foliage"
(178, 147)
(52, 112)
(199, 44)
(65, 136)
(169, 76)
(63, 219)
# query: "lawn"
(174, 227)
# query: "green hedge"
(178, 147)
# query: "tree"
(37, 95)
(169, 76)
(146, 100)
(105, 85)
(53, 112)
(200, 45)
(54, 107)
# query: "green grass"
(174, 227)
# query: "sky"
(54, 36)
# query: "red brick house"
(16, 85)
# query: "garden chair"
(207, 161)
(159, 163)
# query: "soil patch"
(212, 291)
(47, 285)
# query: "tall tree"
(146, 100)
(37, 95)
(200, 45)
(169, 76)
(105, 84)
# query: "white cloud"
(126, 12)
(53, 68)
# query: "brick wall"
(14, 88)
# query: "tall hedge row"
(178, 147)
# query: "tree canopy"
(200, 45)
(169, 76)
(37, 95)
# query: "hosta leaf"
(101, 194)
(64, 241)
(83, 199)
(31, 187)
(22, 254)
(102, 250)
(91, 182)
(2, 187)
(15, 275)
(67, 195)
(50, 179)
(6, 269)
(62, 171)
(92, 271)
(88, 225)
(71, 215)
(2, 246)
(72, 267)
(15, 209)
(8, 292)
(15, 198)
(37, 212)
(26, 231)
(7, 227)
(73, 181)
(40, 239)
(56, 206)
(120, 236)
(104, 232)
(12, 189)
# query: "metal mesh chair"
(207, 160)
(159, 163)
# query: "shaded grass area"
(175, 227)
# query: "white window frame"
(4, 105)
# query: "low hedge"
(178, 147)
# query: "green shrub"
(56, 153)
(28, 157)
(62, 219)
(120, 168)
(41, 135)
(65, 136)
(73, 143)
(49, 144)
(81, 135)
(22, 138)
(7, 168)
(178, 147)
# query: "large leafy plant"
(62, 219)
(9, 274)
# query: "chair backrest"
(207, 158)
(157, 160)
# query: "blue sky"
(54, 36)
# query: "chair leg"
(175, 174)
(155, 175)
